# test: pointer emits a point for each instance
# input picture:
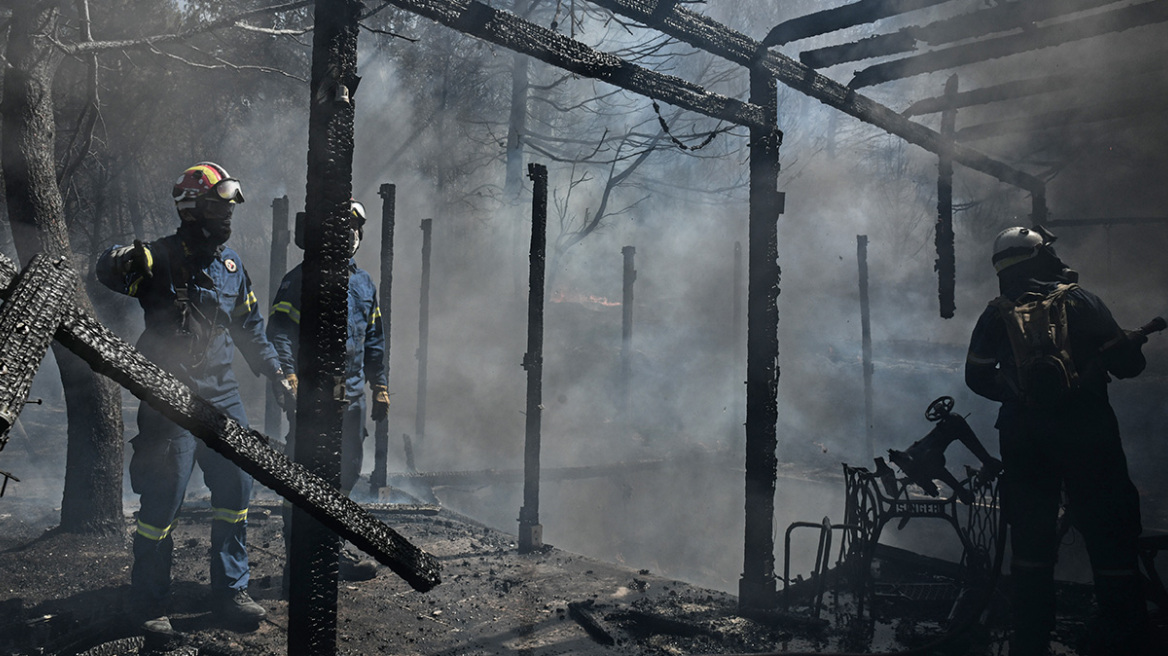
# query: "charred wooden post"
(1035, 38)
(313, 548)
(756, 588)
(388, 193)
(838, 18)
(277, 267)
(1038, 211)
(629, 277)
(423, 353)
(530, 530)
(866, 346)
(737, 419)
(28, 319)
(109, 355)
(946, 264)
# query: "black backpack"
(1037, 327)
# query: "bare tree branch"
(223, 63)
(145, 42)
(89, 115)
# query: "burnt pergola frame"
(757, 586)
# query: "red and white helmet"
(202, 179)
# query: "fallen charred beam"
(1049, 84)
(655, 623)
(1062, 118)
(109, 355)
(31, 312)
(491, 476)
(838, 18)
(715, 38)
(1033, 39)
(1000, 18)
(511, 32)
(582, 612)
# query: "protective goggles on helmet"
(228, 189)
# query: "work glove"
(380, 402)
(285, 385)
(1135, 337)
(134, 259)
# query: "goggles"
(228, 189)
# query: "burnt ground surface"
(63, 594)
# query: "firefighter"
(364, 361)
(1061, 439)
(198, 306)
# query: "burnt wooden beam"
(508, 30)
(111, 356)
(983, 22)
(715, 38)
(838, 18)
(1061, 118)
(277, 267)
(1111, 221)
(388, 193)
(530, 530)
(32, 309)
(1141, 75)
(946, 263)
(1037, 38)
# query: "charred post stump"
(946, 258)
(756, 588)
(866, 345)
(312, 609)
(423, 353)
(278, 266)
(388, 193)
(630, 276)
(530, 530)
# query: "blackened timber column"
(312, 609)
(866, 346)
(756, 589)
(946, 257)
(277, 267)
(629, 277)
(530, 530)
(423, 333)
(388, 195)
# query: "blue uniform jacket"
(365, 345)
(199, 306)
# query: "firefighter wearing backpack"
(1039, 350)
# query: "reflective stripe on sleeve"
(248, 303)
(228, 515)
(288, 309)
(973, 359)
(153, 532)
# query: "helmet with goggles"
(1016, 245)
(205, 180)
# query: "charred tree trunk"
(312, 611)
(92, 501)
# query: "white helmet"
(1014, 245)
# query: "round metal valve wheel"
(939, 408)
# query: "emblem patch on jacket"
(231, 265)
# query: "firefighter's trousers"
(164, 457)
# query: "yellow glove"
(290, 383)
(380, 402)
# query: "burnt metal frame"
(868, 508)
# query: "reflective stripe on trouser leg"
(230, 494)
(163, 456)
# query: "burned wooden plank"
(31, 312)
(583, 613)
(1037, 38)
(111, 356)
(838, 18)
(1103, 74)
(713, 37)
(511, 32)
(1062, 118)
(983, 22)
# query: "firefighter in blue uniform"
(199, 306)
(365, 361)
(1066, 441)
